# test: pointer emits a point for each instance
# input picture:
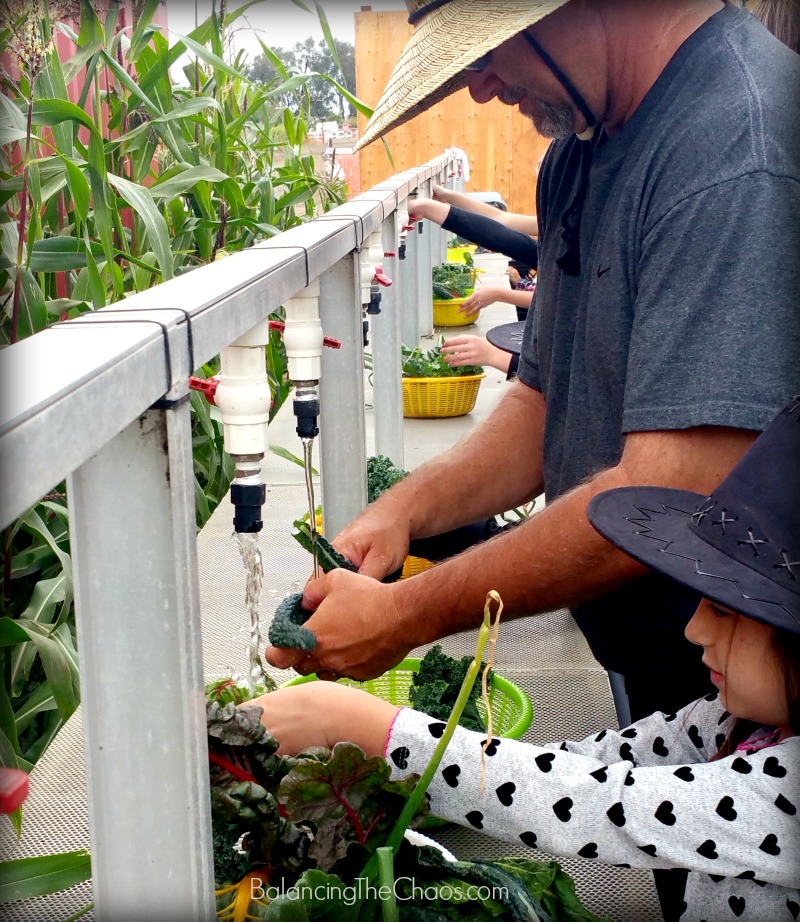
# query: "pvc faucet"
(243, 396)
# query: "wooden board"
(503, 148)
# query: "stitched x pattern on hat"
(740, 546)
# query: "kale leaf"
(381, 474)
(436, 684)
(432, 364)
(327, 555)
(286, 629)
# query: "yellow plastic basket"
(512, 712)
(415, 565)
(457, 254)
(447, 314)
(438, 398)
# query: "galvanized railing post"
(424, 300)
(343, 444)
(409, 315)
(387, 364)
(139, 639)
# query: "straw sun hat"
(448, 36)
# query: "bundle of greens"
(381, 474)
(452, 280)
(324, 830)
(432, 364)
(436, 684)
(323, 809)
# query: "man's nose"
(483, 86)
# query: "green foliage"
(432, 364)
(452, 280)
(381, 474)
(436, 684)
(315, 543)
(137, 180)
(326, 809)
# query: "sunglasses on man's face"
(481, 64)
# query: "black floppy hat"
(740, 546)
(507, 336)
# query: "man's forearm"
(557, 559)
(494, 468)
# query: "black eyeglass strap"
(568, 85)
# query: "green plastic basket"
(512, 713)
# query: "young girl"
(713, 789)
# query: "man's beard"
(554, 121)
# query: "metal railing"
(103, 401)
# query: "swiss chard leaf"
(349, 799)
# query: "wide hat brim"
(652, 525)
(508, 336)
(444, 42)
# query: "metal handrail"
(103, 401)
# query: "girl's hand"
(467, 350)
(476, 302)
(323, 714)
(441, 194)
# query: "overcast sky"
(279, 23)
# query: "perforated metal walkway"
(547, 656)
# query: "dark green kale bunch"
(436, 685)
(381, 474)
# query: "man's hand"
(360, 632)
(323, 714)
(376, 541)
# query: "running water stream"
(308, 450)
(251, 558)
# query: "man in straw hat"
(665, 334)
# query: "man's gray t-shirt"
(686, 310)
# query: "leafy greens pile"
(452, 280)
(314, 822)
(432, 364)
(436, 684)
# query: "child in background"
(715, 788)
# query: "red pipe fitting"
(206, 386)
(382, 279)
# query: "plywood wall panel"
(503, 149)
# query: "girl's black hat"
(740, 546)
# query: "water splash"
(251, 559)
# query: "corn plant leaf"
(89, 40)
(11, 116)
(131, 86)
(329, 40)
(40, 700)
(25, 878)
(8, 725)
(45, 599)
(51, 112)
(143, 30)
(141, 200)
(182, 182)
(98, 181)
(210, 58)
(58, 660)
(79, 188)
